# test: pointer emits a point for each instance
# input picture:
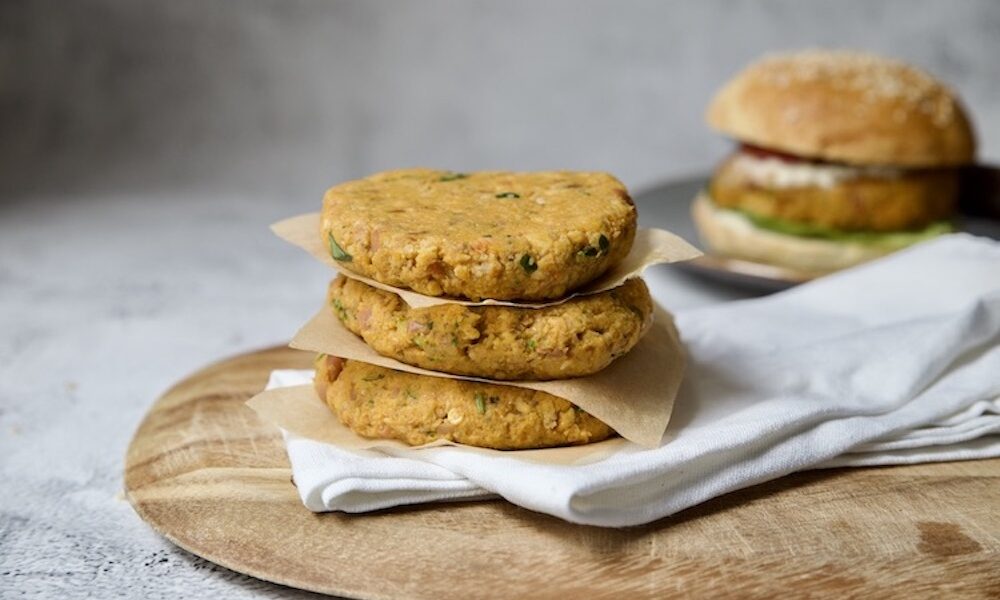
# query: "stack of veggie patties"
(528, 240)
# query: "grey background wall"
(290, 96)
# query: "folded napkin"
(893, 362)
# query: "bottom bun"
(729, 233)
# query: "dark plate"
(668, 206)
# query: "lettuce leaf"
(885, 239)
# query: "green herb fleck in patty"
(528, 264)
(453, 176)
(481, 403)
(508, 195)
(339, 307)
(336, 251)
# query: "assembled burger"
(843, 157)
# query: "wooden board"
(204, 472)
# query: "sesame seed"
(875, 78)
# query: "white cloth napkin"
(894, 362)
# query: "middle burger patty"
(575, 338)
(834, 197)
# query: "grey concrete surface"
(145, 146)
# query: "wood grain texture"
(204, 472)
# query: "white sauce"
(774, 172)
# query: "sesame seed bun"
(846, 107)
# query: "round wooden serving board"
(213, 479)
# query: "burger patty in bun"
(842, 157)
(833, 196)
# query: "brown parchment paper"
(300, 411)
(635, 395)
(651, 247)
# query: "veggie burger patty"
(376, 402)
(502, 235)
(578, 337)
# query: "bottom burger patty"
(376, 402)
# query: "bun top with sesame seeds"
(848, 107)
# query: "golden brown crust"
(575, 338)
(912, 199)
(376, 402)
(501, 235)
(328, 368)
(845, 106)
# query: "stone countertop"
(105, 301)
